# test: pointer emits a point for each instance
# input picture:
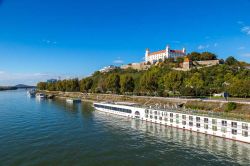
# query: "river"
(45, 132)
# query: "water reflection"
(204, 144)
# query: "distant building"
(153, 57)
(52, 80)
(136, 66)
(187, 64)
(108, 68)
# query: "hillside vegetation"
(161, 80)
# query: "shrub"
(231, 106)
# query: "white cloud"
(241, 48)
(240, 22)
(202, 47)
(118, 61)
(246, 29)
(49, 41)
(176, 41)
(247, 55)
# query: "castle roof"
(164, 51)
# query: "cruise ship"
(225, 128)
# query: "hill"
(161, 80)
(22, 86)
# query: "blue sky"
(42, 39)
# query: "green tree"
(231, 61)
(195, 82)
(127, 84)
(113, 83)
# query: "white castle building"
(163, 54)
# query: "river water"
(45, 132)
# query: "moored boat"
(40, 96)
(72, 101)
(31, 93)
(216, 126)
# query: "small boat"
(40, 96)
(31, 93)
(72, 101)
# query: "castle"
(161, 55)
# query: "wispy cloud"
(118, 61)
(215, 44)
(246, 29)
(241, 48)
(247, 55)
(202, 47)
(176, 41)
(2, 72)
(240, 22)
(49, 41)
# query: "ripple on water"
(54, 133)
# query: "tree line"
(161, 80)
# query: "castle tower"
(167, 51)
(146, 55)
(184, 50)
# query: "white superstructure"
(163, 54)
(230, 129)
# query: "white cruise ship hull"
(229, 129)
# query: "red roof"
(177, 51)
(158, 52)
(164, 51)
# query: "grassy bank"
(214, 108)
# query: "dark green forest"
(231, 76)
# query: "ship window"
(146, 111)
(198, 119)
(224, 123)
(214, 121)
(214, 128)
(177, 115)
(223, 130)
(146, 116)
(245, 126)
(183, 116)
(190, 123)
(205, 120)
(234, 132)
(245, 133)
(184, 122)
(171, 115)
(160, 118)
(190, 118)
(205, 126)
(166, 119)
(171, 120)
(234, 124)
(151, 117)
(155, 117)
(177, 121)
(155, 112)
(198, 125)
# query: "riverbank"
(207, 107)
(4, 88)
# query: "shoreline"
(214, 107)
